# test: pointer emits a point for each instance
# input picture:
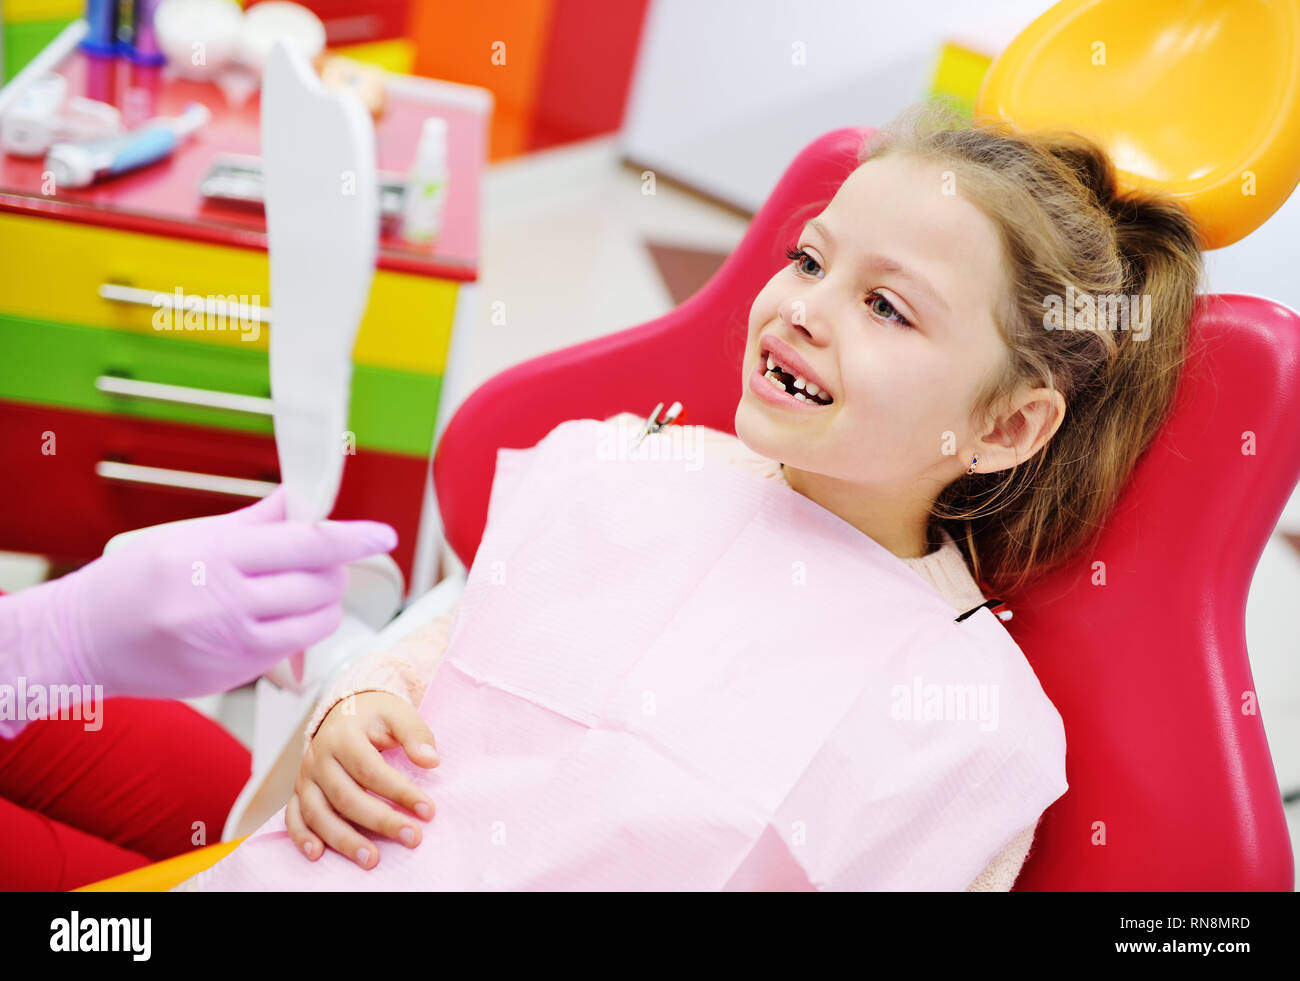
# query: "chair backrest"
(1171, 782)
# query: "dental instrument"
(653, 424)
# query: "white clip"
(653, 424)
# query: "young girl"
(904, 372)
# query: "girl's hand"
(343, 762)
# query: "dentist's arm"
(186, 610)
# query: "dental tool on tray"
(237, 178)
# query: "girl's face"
(888, 311)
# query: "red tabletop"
(163, 198)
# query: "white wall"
(1265, 262)
(717, 103)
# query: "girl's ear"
(1027, 422)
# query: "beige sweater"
(407, 669)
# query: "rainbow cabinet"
(135, 315)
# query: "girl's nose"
(797, 312)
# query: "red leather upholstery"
(1149, 671)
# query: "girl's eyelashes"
(801, 256)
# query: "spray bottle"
(426, 185)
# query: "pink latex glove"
(188, 610)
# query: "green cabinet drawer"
(24, 40)
(172, 378)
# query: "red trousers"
(158, 779)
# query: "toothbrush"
(81, 164)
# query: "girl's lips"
(791, 359)
(768, 392)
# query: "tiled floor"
(573, 250)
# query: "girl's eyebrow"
(885, 264)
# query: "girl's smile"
(783, 377)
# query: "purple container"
(144, 48)
(101, 23)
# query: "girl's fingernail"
(427, 750)
(424, 810)
(363, 856)
(408, 836)
(306, 847)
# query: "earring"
(971, 468)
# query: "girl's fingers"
(319, 816)
(372, 772)
(412, 734)
(361, 808)
(307, 842)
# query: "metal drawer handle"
(213, 306)
(159, 477)
(252, 404)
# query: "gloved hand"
(190, 609)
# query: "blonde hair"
(1053, 201)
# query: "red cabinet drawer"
(355, 22)
(53, 500)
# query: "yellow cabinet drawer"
(94, 276)
(21, 11)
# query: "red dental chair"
(1150, 673)
(1171, 783)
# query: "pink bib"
(669, 673)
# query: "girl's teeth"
(770, 363)
(799, 383)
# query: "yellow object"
(16, 11)
(959, 73)
(395, 55)
(53, 270)
(1198, 100)
(167, 874)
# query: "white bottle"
(426, 184)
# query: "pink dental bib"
(668, 673)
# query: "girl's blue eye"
(800, 256)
